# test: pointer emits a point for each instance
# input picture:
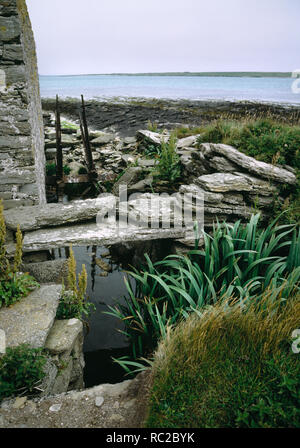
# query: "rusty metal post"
(86, 139)
(59, 154)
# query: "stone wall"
(22, 162)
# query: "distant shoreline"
(174, 102)
(194, 74)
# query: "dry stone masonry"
(22, 159)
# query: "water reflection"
(105, 287)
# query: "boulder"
(75, 167)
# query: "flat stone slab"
(91, 234)
(237, 182)
(152, 137)
(262, 169)
(30, 320)
(63, 335)
(67, 140)
(37, 217)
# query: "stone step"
(30, 320)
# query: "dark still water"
(103, 340)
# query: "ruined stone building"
(22, 165)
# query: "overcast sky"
(120, 36)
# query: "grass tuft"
(230, 367)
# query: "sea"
(261, 89)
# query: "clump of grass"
(21, 370)
(168, 167)
(68, 125)
(268, 141)
(51, 169)
(152, 151)
(184, 131)
(153, 127)
(13, 284)
(73, 302)
(229, 367)
(262, 139)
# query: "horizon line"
(186, 73)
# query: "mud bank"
(126, 116)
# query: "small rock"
(116, 418)
(151, 137)
(130, 403)
(19, 402)
(2, 342)
(55, 407)
(129, 140)
(99, 401)
(32, 406)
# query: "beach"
(127, 115)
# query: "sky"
(136, 36)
